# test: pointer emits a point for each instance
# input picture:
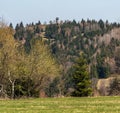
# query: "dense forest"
(63, 42)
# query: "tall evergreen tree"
(81, 78)
(11, 26)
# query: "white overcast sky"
(29, 11)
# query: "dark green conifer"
(81, 78)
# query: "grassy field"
(62, 105)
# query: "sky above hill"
(29, 11)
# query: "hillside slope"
(100, 41)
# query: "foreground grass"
(62, 105)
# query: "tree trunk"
(13, 89)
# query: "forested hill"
(98, 40)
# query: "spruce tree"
(11, 26)
(81, 78)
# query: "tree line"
(45, 58)
(27, 73)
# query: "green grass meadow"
(62, 105)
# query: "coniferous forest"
(60, 58)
